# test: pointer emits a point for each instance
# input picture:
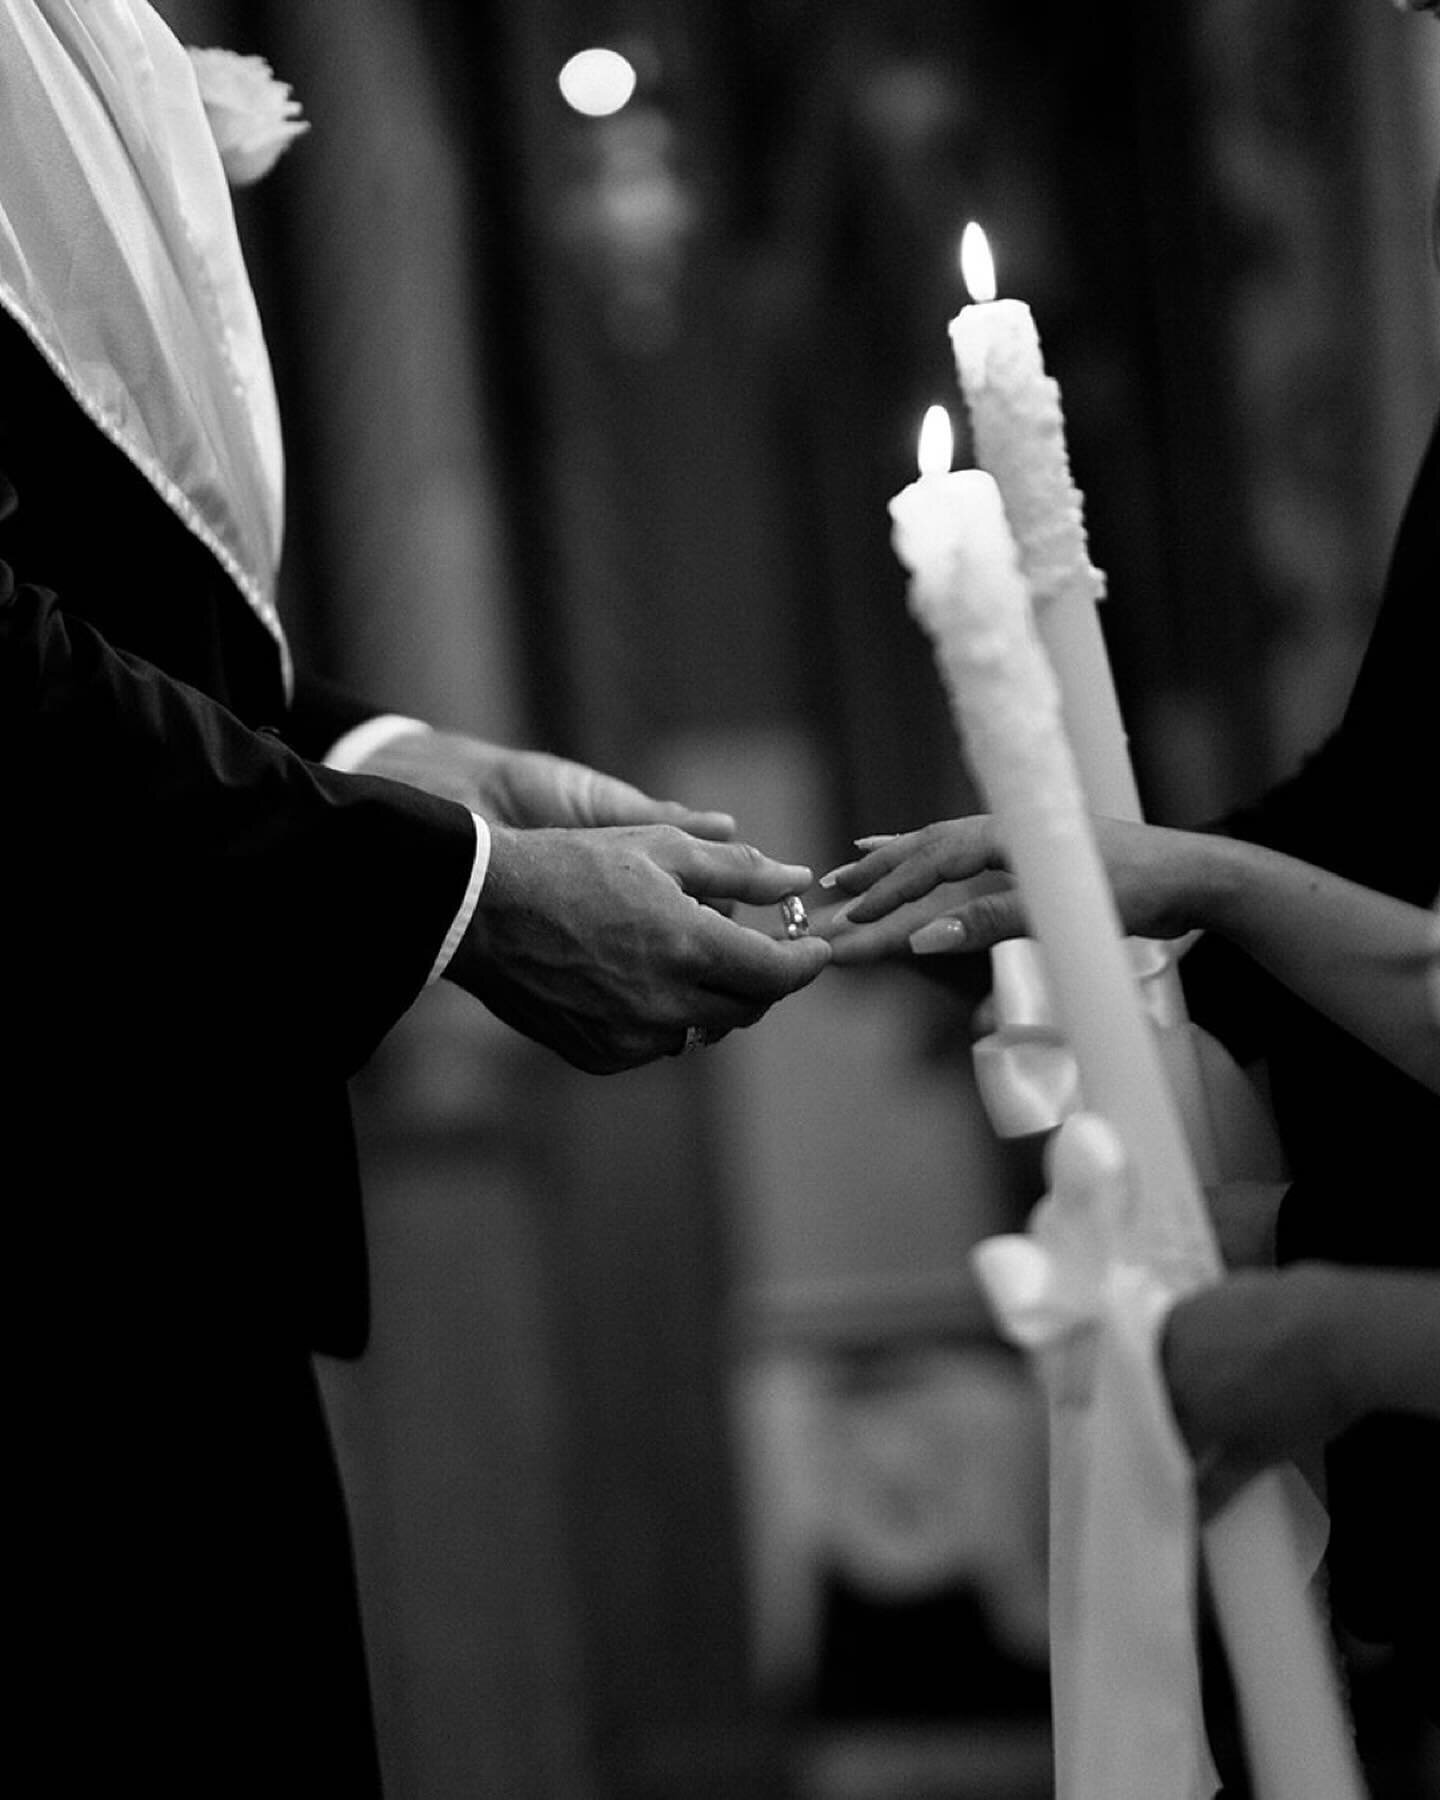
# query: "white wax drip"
(1019, 431)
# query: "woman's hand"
(946, 887)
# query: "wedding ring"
(695, 1039)
(794, 917)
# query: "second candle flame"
(937, 442)
(977, 265)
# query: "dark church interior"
(685, 1462)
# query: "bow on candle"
(1029, 1082)
(1128, 1718)
(1026, 1071)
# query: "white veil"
(120, 258)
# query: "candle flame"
(977, 265)
(937, 441)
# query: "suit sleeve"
(167, 853)
(321, 712)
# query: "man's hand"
(607, 946)
(528, 788)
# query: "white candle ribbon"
(1125, 1679)
(1025, 1071)
(1029, 1081)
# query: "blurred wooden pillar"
(401, 575)
(652, 533)
(538, 1441)
(655, 602)
(640, 1271)
(453, 1430)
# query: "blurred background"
(683, 1464)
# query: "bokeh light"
(597, 82)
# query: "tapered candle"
(967, 590)
(969, 594)
(1018, 426)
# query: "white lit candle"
(968, 592)
(1018, 426)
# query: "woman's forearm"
(1363, 959)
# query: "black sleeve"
(321, 712)
(1365, 804)
(158, 847)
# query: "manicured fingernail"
(938, 937)
(831, 876)
(874, 843)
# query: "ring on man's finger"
(794, 917)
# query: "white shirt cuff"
(467, 906)
(347, 753)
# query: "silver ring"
(794, 917)
(695, 1039)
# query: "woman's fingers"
(910, 866)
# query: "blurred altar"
(684, 1463)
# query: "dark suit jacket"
(205, 935)
(209, 934)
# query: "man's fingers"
(720, 871)
(586, 797)
(742, 967)
(745, 973)
(618, 803)
(715, 827)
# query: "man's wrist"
(357, 746)
(460, 924)
(473, 950)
